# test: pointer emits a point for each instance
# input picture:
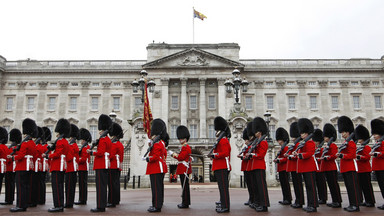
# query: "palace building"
(190, 90)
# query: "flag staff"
(193, 25)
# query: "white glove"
(144, 158)
(150, 141)
(170, 152)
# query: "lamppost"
(113, 115)
(141, 84)
(236, 83)
(267, 119)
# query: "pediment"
(193, 58)
(6, 121)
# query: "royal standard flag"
(197, 14)
(147, 117)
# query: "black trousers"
(57, 181)
(1, 180)
(34, 184)
(310, 187)
(101, 188)
(352, 185)
(285, 187)
(83, 186)
(366, 187)
(333, 185)
(23, 187)
(9, 187)
(380, 180)
(42, 188)
(157, 188)
(185, 195)
(248, 181)
(261, 187)
(321, 186)
(70, 187)
(114, 186)
(223, 183)
(297, 181)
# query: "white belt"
(161, 165)
(13, 166)
(356, 167)
(37, 165)
(185, 163)
(337, 166)
(118, 160)
(62, 163)
(3, 165)
(75, 165)
(45, 165)
(317, 165)
(106, 157)
(87, 165)
(227, 160)
(29, 162)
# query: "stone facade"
(190, 91)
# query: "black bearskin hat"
(282, 134)
(329, 131)
(41, 134)
(294, 130)
(47, 134)
(116, 131)
(318, 136)
(377, 127)
(15, 135)
(29, 127)
(63, 127)
(220, 124)
(361, 132)
(84, 134)
(305, 126)
(166, 139)
(249, 130)
(259, 125)
(74, 131)
(158, 127)
(105, 122)
(3, 135)
(345, 124)
(245, 134)
(182, 132)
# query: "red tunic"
(117, 151)
(10, 162)
(157, 157)
(363, 164)
(84, 159)
(25, 156)
(102, 154)
(244, 162)
(282, 164)
(57, 157)
(317, 157)
(292, 160)
(41, 149)
(184, 159)
(330, 163)
(257, 161)
(72, 158)
(347, 163)
(306, 162)
(3, 158)
(378, 162)
(222, 159)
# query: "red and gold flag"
(147, 117)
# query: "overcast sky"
(121, 29)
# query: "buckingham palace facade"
(190, 91)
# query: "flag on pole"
(147, 117)
(197, 14)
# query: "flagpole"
(193, 26)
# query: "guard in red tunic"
(24, 164)
(35, 176)
(297, 179)
(282, 138)
(43, 164)
(184, 167)
(347, 153)
(306, 164)
(72, 167)
(3, 154)
(364, 166)
(57, 157)
(156, 166)
(15, 138)
(321, 184)
(84, 158)
(328, 165)
(116, 157)
(101, 162)
(377, 128)
(221, 162)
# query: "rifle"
(255, 143)
(246, 147)
(377, 144)
(326, 149)
(302, 143)
(96, 143)
(53, 146)
(362, 146)
(155, 140)
(345, 143)
(18, 146)
(290, 148)
(318, 150)
(83, 146)
(221, 135)
(73, 140)
(117, 137)
(281, 149)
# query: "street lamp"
(236, 83)
(267, 119)
(113, 115)
(141, 84)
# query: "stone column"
(138, 148)
(165, 100)
(203, 109)
(106, 98)
(221, 98)
(183, 102)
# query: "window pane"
(291, 102)
(269, 102)
(175, 102)
(313, 102)
(95, 103)
(116, 103)
(51, 103)
(173, 132)
(93, 131)
(9, 105)
(193, 131)
(248, 103)
(31, 103)
(137, 101)
(211, 102)
(356, 102)
(193, 102)
(272, 131)
(73, 103)
(211, 131)
(335, 102)
(378, 104)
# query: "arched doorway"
(197, 166)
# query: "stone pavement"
(203, 196)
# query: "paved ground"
(136, 202)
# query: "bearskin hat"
(84, 134)
(47, 134)
(74, 131)
(3, 135)
(282, 134)
(220, 124)
(166, 139)
(318, 136)
(15, 135)
(29, 127)
(182, 132)
(245, 134)
(329, 131)
(249, 130)
(259, 125)
(41, 133)
(361, 132)
(377, 127)
(294, 130)
(63, 127)
(116, 131)
(345, 124)
(158, 127)
(104, 123)
(305, 126)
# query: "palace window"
(312, 102)
(248, 103)
(378, 103)
(335, 102)
(175, 102)
(9, 104)
(356, 102)
(291, 102)
(193, 131)
(116, 103)
(173, 134)
(94, 103)
(93, 130)
(192, 102)
(211, 102)
(51, 103)
(30, 103)
(270, 104)
(211, 131)
(72, 103)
